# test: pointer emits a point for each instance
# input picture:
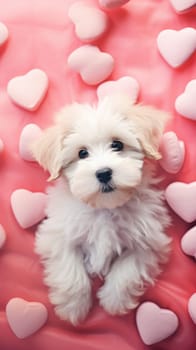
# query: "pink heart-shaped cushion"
(155, 324)
(112, 3)
(192, 307)
(25, 318)
(183, 5)
(176, 46)
(29, 90)
(93, 65)
(188, 242)
(28, 207)
(90, 22)
(182, 199)
(173, 153)
(2, 236)
(3, 34)
(185, 103)
(125, 85)
(29, 134)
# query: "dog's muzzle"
(104, 176)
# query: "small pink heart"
(185, 103)
(29, 134)
(125, 85)
(93, 65)
(192, 307)
(29, 90)
(25, 318)
(177, 46)
(183, 5)
(3, 34)
(90, 22)
(28, 207)
(173, 153)
(155, 324)
(2, 236)
(188, 242)
(182, 199)
(112, 3)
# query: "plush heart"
(29, 134)
(28, 207)
(155, 324)
(90, 22)
(176, 46)
(25, 318)
(1, 146)
(192, 307)
(182, 199)
(173, 153)
(125, 85)
(29, 90)
(188, 242)
(112, 3)
(2, 236)
(185, 103)
(3, 34)
(93, 65)
(183, 5)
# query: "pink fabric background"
(41, 36)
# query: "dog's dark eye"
(117, 146)
(83, 153)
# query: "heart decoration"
(112, 3)
(188, 242)
(29, 90)
(3, 33)
(28, 207)
(182, 199)
(25, 318)
(185, 103)
(155, 324)
(125, 85)
(29, 134)
(192, 307)
(90, 22)
(93, 65)
(173, 153)
(183, 5)
(176, 46)
(2, 236)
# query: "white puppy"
(105, 216)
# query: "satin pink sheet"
(42, 36)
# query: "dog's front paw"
(116, 300)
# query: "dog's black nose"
(104, 175)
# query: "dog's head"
(101, 150)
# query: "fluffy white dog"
(105, 215)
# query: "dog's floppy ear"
(150, 124)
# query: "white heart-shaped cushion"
(192, 307)
(183, 5)
(125, 85)
(112, 3)
(93, 65)
(176, 46)
(3, 33)
(182, 199)
(185, 103)
(29, 90)
(2, 236)
(28, 207)
(25, 318)
(29, 134)
(155, 324)
(173, 152)
(90, 22)
(188, 242)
